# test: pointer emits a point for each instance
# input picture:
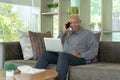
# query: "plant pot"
(54, 9)
(9, 73)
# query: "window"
(55, 28)
(95, 15)
(116, 15)
(116, 20)
(18, 15)
(74, 3)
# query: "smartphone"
(67, 25)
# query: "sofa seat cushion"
(28, 62)
(22, 62)
(98, 71)
(37, 42)
(52, 66)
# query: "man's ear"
(80, 21)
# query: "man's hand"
(74, 53)
(64, 30)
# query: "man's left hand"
(75, 53)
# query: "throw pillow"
(37, 42)
(25, 45)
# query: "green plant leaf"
(72, 10)
(53, 5)
(10, 66)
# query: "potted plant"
(92, 25)
(100, 25)
(72, 10)
(53, 6)
(10, 68)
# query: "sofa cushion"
(29, 62)
(37, 41)
(25, 45)
(22, 62)
(99, 71)
(109, 52)
(11, 50)
(52, 66)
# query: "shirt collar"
(77, 32)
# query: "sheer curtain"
(28, 11)
(116, 15)
(23, 15)
(116, 20)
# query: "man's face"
(75, 24)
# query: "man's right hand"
(64, 30)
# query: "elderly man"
(80, 46)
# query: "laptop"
(53, 44)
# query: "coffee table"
(45, 75)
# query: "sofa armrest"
(10, 51)
(1, 57)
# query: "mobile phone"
(67, 25)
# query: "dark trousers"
(63, 60)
